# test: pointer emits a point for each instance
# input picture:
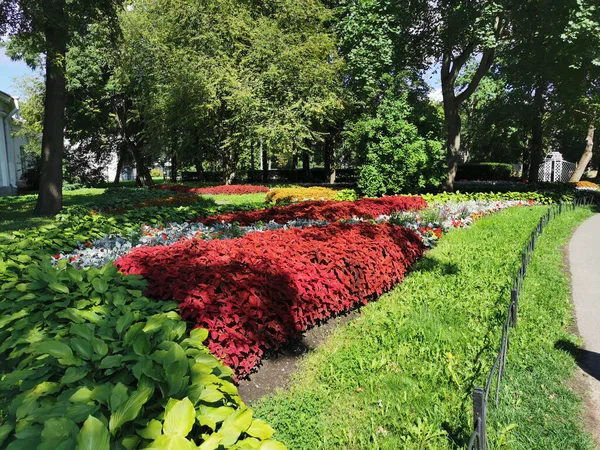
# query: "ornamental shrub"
(397, 159)
(318, 210)
(88, 361)
(257, 292)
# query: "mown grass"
(401, 375)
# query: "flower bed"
(215, 190)
(586, 186)
(329, 211)
(258, 292)
(301, 194)
(176, 199)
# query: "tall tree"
(46, 27)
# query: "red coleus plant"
(323, 210)
(225, 189)
(257, 292)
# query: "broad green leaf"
(212, 443)
(272, 445)
(172, 443)
(83, 395)
(59, 288)
(93, 436)
(180, 419)
(152, 430)
(54, 348)
(211, 394)
(260, 429)
(100, 285)
(141, 344)
(197, 338)
(59, 429)
(131, 442)
(5, 430)
(129, 410)
(110, 361)
(100, 347)
(82, 347)
(231, 434)
(210, 417)
(118, 396)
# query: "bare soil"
(276, 370)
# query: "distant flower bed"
(323, 210)
(586, 186)
(302, 194)
(258, 292)
(176, 199)
(216, 190)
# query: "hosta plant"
(89, 362)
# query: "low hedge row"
(484, 171)
(323, 210)
(257, 292)
(89, 362)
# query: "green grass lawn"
(402, 374)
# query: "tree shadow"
(587, 360)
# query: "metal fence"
(481, 396)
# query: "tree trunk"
(199, 169)
(252, 163)
(306, 166)
(587, 154)
(174, 168)
(537, 136)
(328, 157)
(120, 163)
(265, 163)
(453, 130)
(49, 200)
(145, 179)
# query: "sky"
(9, 70)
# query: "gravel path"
(584, 261)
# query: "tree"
(44, 27)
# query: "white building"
(11, 146)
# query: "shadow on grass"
(587, 360)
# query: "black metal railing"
(478, 440)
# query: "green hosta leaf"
(130, 442)
(118, 396)
(272, 445)
(172, 443)
(141, 344)
(212, 443)
(82, 347)
(22, 258)
(83, 395)
(58, 430)
(93, 436)
(100, 285)
(231, 434)
(102, 393)
(74, 374)
(180, 419)
(5, 430)
(111, 361)
(59, 288)
(210, 417)
(78, 412)
(100, 347)
(24, 444)
(152, 430)
(129, 410)
(211, 394)
(54, 348)
(83, 330)
(197, 338)
(260, 429)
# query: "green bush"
(346, 195)
(88, 361)
(484, 171)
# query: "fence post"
(479, 414)
(514, 298)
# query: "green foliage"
(401, 375)
(397, 158)
(87, 358)
(346, 195)
(484, 171)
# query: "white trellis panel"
(555, 170)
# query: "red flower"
(57, 256)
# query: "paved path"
(584, 261)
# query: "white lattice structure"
(555, 169)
